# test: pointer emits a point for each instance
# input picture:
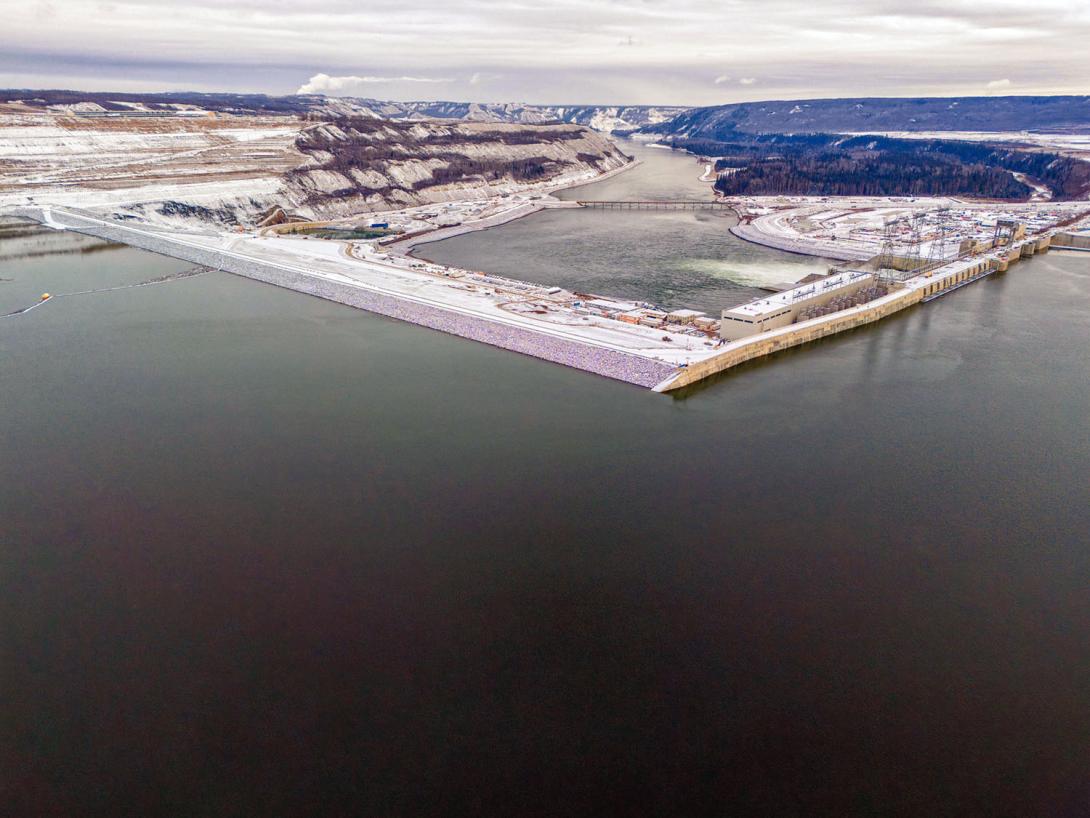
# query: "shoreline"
(798, 247)
(406, 247)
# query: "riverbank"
(754, 232)
(405, 246)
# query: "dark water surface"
(262, 554)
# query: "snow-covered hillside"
(236, 169)
(362, 163)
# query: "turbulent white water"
(747, 272)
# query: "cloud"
(721, 79)
(997, 84)
(480, 76)
(793, 49)
(325, 84)
(747, 81)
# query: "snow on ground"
(220, 165)
(1071, 144)
(481, 296)
(510, 303)
(26, 143)
(210, 193)
(856, 227)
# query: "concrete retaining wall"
(802, 246)
(1072, 241)
(940, 281)
(798, 334)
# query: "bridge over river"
(667, 204)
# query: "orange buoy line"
(45, 297)
(196, 271)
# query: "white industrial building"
(782, 309)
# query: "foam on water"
(748, 273)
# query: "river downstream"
(265, 554)
(675, 259)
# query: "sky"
(667, 52)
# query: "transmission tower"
(887, 253)
(936, 253)
(915, 240)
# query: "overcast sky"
(686, 52)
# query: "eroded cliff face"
(230, 166)
(355, 164)
(235, 170)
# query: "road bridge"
(674, 204)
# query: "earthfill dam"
(628, 341)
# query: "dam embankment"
(600, 360)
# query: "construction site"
(213, 190)
(858, 229)
(631, 341)
(923, 245)
(935, 260)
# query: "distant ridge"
(1069, 114)
(1010, 113)
(606, 118)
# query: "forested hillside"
(1049, 114)
(828, 165)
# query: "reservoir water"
(266, 554)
